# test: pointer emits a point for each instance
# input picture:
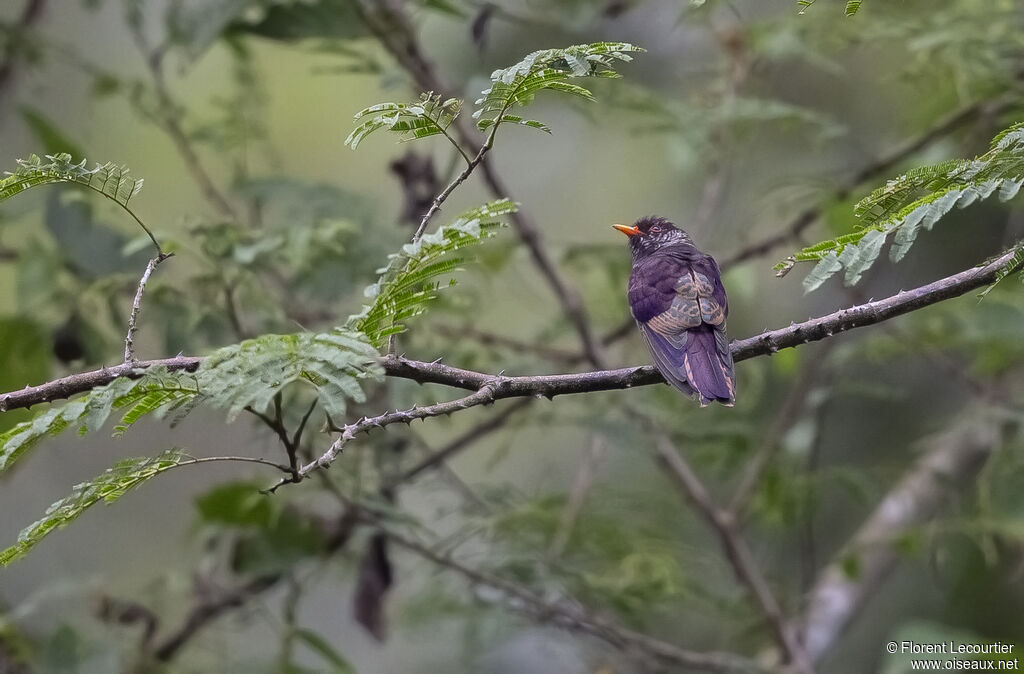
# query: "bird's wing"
(671, 294)
(679, 302)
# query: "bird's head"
(650, 233)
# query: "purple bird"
(677, 298)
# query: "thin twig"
(129, 340)
(735, 548)
(572, 617)
(581, 485)
(439, 456)
(209, 608)
(771, 439)
(481, 397)
(231, 309)
(168, 113)
(435, 205)
(242, 459)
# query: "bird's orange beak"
(628, 230)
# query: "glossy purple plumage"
(678, 300)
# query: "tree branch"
(576, 619)
(65, 387)
(735, 548)
(768, 342)
(837, 596)
(483, 396)
(474, 433)
(168, 114)
(208, 608)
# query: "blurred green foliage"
(740, 117)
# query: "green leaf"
(408, 282)
(901, 210)
(112, 181)
(852, 6)
(429, 116)
(548, 69)
(1015, 264)
(484, 124)
(249, 374)
(107, 487)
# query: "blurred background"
(754, 125)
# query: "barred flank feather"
(708, 366)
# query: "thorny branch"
(550, 385)
(488, 388)
(483, 396)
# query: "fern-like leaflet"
(112, 181)
(233, 378)
(429, 116)
(408, 281)
(89, 412)
(897, 210)
(548, 69)
(108, 487)
(251, 373)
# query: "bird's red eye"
(656, 228)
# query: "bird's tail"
(707, 362)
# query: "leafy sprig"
(547, 69)
(335, 364)
(517, 85)
(898, 209)
(429, 116)
(112, 181)
(107, 487)
(408, 282)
